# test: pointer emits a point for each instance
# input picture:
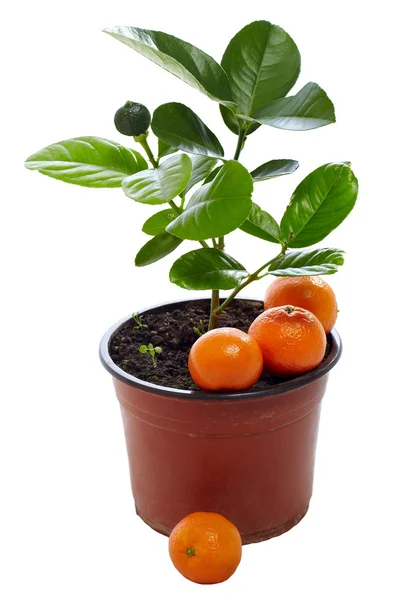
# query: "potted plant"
(248, 455)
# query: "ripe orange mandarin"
(292, 340)
(311, 293)
(225, 359)
(205, 547)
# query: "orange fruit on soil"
(292, 340)
(225, 359)
(311, 293)
(205, 547)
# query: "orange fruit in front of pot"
(205, 547)
(311, 293)
(225, 359)
(292, 340)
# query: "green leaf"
(213, 174)
(143, 349)
(202, 167)
(177, 125)
(190, 64)
(308, 109)
(234, 123)
(88, 161)
(262, 63)
(160, 185)
(319, 204)
(159, 246)
(274, 168)
(323, 261)
(262, 225)
(207, 269)
(165, 149)
(217, 208)
(157, 223)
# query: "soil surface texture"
(173, 331)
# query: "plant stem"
(216, 309)
(178, 210)
(233, 294)
(252, 277)
(239, 148)
(214, 315)
(175, 208)
(240, 143)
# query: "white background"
(67, 522)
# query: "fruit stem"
(190, 551)
(252, 277)
(289, 309)
(142, 139)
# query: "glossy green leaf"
(217, 208)
(319, 204)
(213, 174)
(310, 108)
(87, 161)
(160, 185)
(177, 125)
(157, 223)
(190, 64)
(202, 167)
(262, 63)
(159, 246)
(165, 149)
(207, 269)
(274, 168)
(262, 225)
(323, 261)
(234, 123)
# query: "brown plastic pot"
(248, 456)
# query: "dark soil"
(173, 331)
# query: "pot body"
(250, 460)
(248, 456)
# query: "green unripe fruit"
(132, 119)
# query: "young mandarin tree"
(259, 68)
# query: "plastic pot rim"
(291, 384)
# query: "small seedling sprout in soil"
(151, 351)
(208, 196)
(200, 330)
(138, 320)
